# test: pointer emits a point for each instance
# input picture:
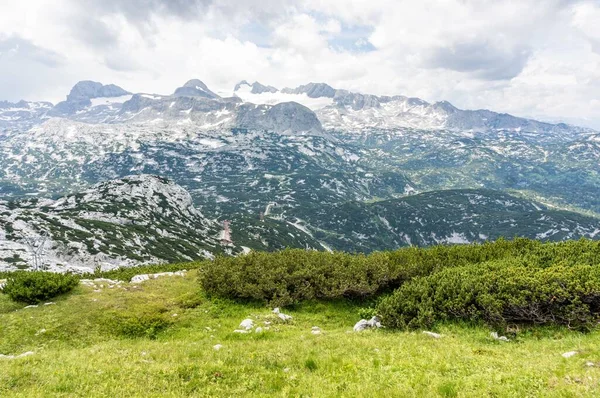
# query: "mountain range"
(257, 106)
(310, 166)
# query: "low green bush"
(498, 293)
(294, 275)
(291, 276)
(36, 286)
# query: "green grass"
(87, 352)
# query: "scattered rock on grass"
(217, 347)
(30, 306)
(23, 355)
(434, 335)
(569, 354)
(281, 315)
(99, 282)
(258, 330)
(247, 324)
(144, 277)
(315, 330)
(241, 331)
(284, 317)
(499, 338)
(363, 324)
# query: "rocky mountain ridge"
(315, 106)
(355, 111)
(134, 220)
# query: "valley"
(385, 172)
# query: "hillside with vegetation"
(510, 318)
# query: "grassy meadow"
(157, 340)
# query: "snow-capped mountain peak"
(252, 106)
(89, 94)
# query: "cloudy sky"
(528, 57)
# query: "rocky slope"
(444, 217)
(130, 221)
(138, 219)
(23, 114)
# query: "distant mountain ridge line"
(93, 102)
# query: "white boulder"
(144, 277)
(284, 317)
(247, 324)
(569, 354)
(434, 335)
(495, 336)
(363, 324)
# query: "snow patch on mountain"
(110, 100)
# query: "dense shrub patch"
(505, 281)
(498, 293)
(35, 287)
(290, 276)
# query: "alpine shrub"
(498, 293)
(291, 276)
(37, 286)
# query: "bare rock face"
(195, 88)
(87, 89)
(312, 90)
(280, 118)
(255, 88)
(81, 96)
(291, 116)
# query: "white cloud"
(530, 58)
